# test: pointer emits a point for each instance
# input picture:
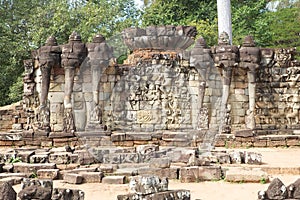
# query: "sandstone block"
(32, 168)
(60, 158)
(253, 158)
(48, 174)
(246, 175)
(160, 162)
(73, 178)
(92, 177)
(144, 185)
(204, 173)
(114, 179)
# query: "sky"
(139, 3)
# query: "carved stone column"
(201, 59)
(249, 60)
(99, 55)
(73, 54)
(225, 58)
(48, 57)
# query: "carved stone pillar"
(225, 58)
(48, 57)
(99, 55)
(201, 59)
(249, 60)
(73, 54)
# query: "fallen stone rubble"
(115, 165)
(277, 190)
(39, 189)
(153, 188)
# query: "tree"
(25, 26)
(248, 17)
(285, 25)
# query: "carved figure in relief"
(225, 58)
(249, 60)
(48, 57)
(99, 55)
(73, 54)
(174, 111)
(203, 119)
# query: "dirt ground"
(214, 190)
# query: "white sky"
(139, 3)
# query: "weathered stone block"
(172, 194)
(92, 177)
(73, 178)
(85, 158)
(195, 174)
(160, 162)
(246, 175)
(48, 174)
(171, 173)
(36, 189)
(7, 192)
(66, 194)
(144, 185)
(12, 180)
(253, 158)
(138, 136)
(32, 168)
(114, 179)
(39, 158)
(116, 137)
(60, 158)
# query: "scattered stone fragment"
(144, 185)
(67, 194)
(7, 192)
(36, 189)
(294, 190)
(253, 158)
(276, 190)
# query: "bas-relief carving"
(225, 58)
(177, 89)
(158, 92)
(48, 57)
(249, 60)
(73, 54)
(98, 58)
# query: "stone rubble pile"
(153, 188)
(115, 165)
(277, 190)
(39, 189)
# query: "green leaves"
(25, 26)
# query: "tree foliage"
(285, 25)
(25, 26)
(248, 17)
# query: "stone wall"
(201, 94)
